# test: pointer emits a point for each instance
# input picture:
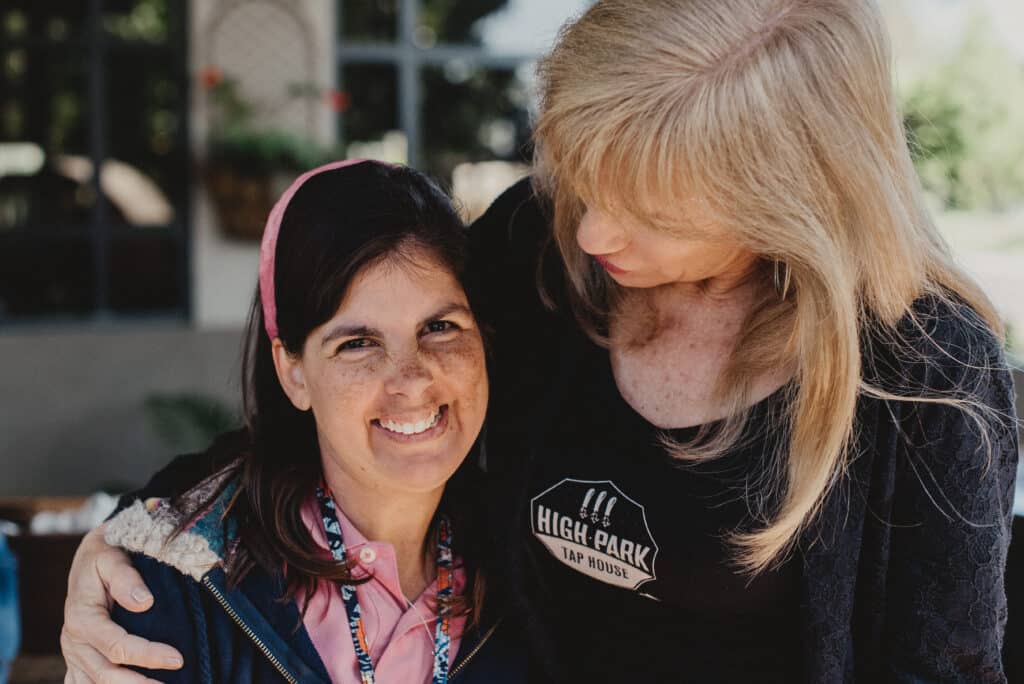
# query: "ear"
(291, 375)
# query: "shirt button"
(367, 555)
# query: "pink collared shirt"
(400, 637)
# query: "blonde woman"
(751, 421)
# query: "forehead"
(401, 286)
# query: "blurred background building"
(123, 291)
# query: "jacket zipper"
(252, 635)
(476, 649)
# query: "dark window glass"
(46, 275)
(32, 20)
(145, 272)
(145, 174)
(43, 131)
(473, 114)
(368, 20)
(86, 84)
(370, 111)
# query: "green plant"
(965, 124)
(238, 142)
(186, 421)
(257, 153)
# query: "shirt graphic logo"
(595, 529)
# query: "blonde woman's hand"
(92, 644)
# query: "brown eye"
(358, 343)
(439, 326)
(440, 330)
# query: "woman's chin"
(422, 469)
(421, 478)
(638, 280)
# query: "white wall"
(224, 270)
(78, 421)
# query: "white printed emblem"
(595, 529)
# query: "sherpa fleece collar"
(146, 527)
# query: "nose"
(411, 376)
(600, 234)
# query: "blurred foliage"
(965, 121)
(238, 142)
(188, 422)
(476, 114)
(453, 21)
(254, 152)
(138, 20)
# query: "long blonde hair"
(779, 117)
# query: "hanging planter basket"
(242, 202)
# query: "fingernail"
(173, 661)
(141, 595)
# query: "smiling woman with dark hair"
(365, 388)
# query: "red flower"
(210, 76)
(338, 100)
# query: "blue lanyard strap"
(442, 635)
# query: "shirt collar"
(372, 558)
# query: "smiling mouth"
(421, 429)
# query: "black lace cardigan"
(903, 571)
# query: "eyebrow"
(365, 331)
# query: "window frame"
(409, 60)
(98, 47)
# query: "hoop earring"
(782, 276)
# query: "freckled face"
(637, 255)
(397, 379)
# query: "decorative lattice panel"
(269, 47)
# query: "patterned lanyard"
(442, 637)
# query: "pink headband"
(269, 246)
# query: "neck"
(732, 279)
(401, 519)
(717, 307)
(735, 292)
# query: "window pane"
(45, 275)
(35, 20)
(43, 129)
(520, 26)
(473, 114)
(145, 273)
(368, 20)
(369, 119)
(146, 173)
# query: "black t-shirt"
(620, 550)
(637, 577)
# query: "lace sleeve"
(951, 522)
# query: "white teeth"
(412, 428)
